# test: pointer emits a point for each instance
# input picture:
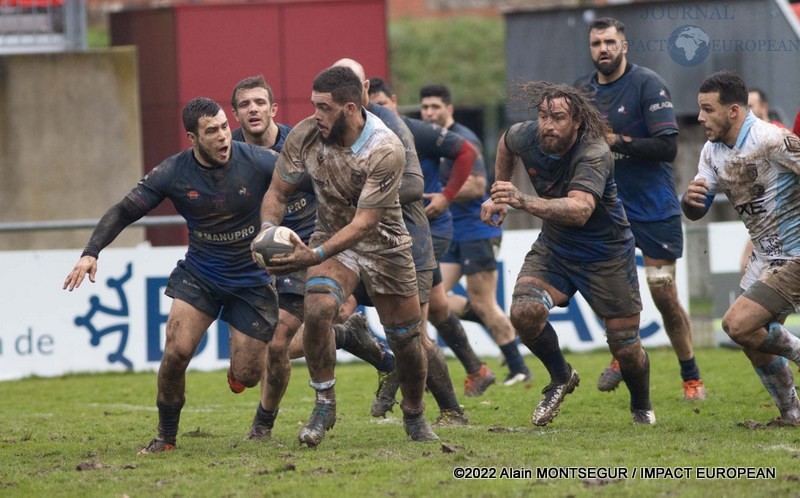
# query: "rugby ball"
(271, 242)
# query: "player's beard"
(719, 136)
(608, 68)
(557, 147)
(337, 130)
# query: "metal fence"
(36, 26)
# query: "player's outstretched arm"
(115, 220)
(573, 210)
(87, 265)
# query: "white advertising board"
(118, 323)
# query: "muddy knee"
(403, 336)
(317, 308)
(529, 309)
(623, 342)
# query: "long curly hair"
(535, 94)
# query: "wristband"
(320, 252)
(266, 225)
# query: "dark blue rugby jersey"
(434, 143)
(413, 212)
(301, 207)
(588, 167)
(638, 104)
(221, 207)
(467, 224)
(283, 130)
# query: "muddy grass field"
(79, 436)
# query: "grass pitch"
(79, 435)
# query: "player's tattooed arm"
(573, 210)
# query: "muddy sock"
(545, 347)
(778, 379)
(326, 396)
(340, 334)
(637, 379)
(438, 380)
(387, 362)
(452, 333)
(689, 370)
(781, 342)
(514, 360)
(265, 417)
(169, 416)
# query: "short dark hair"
(249, 83)
(436, 90)
(341, 82)
(378, 85)
(761, 95)
(602, 23)
(730, 86)
(197, 108)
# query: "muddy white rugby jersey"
(761, 177)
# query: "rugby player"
(757, 166)
(585, 245)
(643, 137)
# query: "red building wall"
(191, 50)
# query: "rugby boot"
(258, 432)
(360, 341)
(322, 419)
(236, 386)
(261, 428)
(417, 427)
(517, 377)
(384, 401)
(157, 445)
(554, 394)
(694, 390)
(644, 417)
(477, 383)
(451, 418)
(610, 378)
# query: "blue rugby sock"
(689, 370)
(514, 360)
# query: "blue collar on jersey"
(369, 126)
(748, 123)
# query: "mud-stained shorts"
(440, 246)
(424, 285)
(661, 239)
(610, 287)
(388, 272)
(251, 310)
(778, 288)
(474, 256)
(291, 289)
